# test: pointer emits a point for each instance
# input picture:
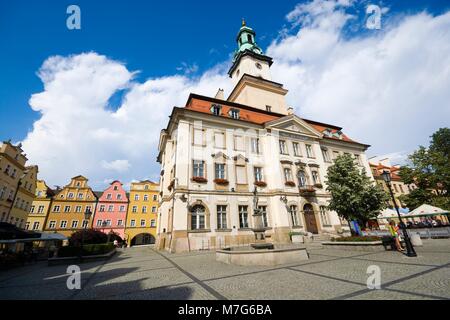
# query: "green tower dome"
(246, 40)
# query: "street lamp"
(410, 252)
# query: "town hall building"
(216, 151)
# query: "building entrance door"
(310, 219)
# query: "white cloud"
(388, 88)
(116, 165)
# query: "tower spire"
(243, 22)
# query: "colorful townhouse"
(68, 208)
(24, 197)
(17, 184)
(40, 208)
(111, 211)
(142, 213)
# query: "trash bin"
(415, 239)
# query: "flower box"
(318, 185)
(199, 180)
(261, 184)
(223, 182)
(289, 184)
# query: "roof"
(250, 114)
(381, 167)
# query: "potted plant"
(223, 182)
(289, 184)
(261, 184)
(199, 179)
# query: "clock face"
(258, 65)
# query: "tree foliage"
(429, 170)
(354, 196)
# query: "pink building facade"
(111, 211)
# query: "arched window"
(249, 38)
(198, 217)
(301, 179)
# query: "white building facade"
(215, 152)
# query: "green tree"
(354, 196)
(429, 170)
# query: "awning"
(426, 210)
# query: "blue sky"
(155, 37)
(165, 38)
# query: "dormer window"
(269, 108)
(234, 113)
(215, 109)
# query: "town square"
(301, 157)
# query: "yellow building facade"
(68, 207)
(12, 167)
(40, 207)
(142, 213)
(24, 197)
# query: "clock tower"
(250, 73)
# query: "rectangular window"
(119, 197)
(111, 208)
(288, 175)
(144, 209)
(108, 223)
(133, 223)
(315, 176)
(99, 223)
(255, 145)
(155, 197)
(309, 151)
(102, 208)
(122, 208)
(78, 209)
(153, 223)
(263, 210)
(56, 208)
(136, 197)
(268, 108)
(70, 195)
(74, 224)
(198, 218)
(145, 197)
(326, 156)
(109, 196)
(243, 217)
(296, 147)
(294, 216)
(134, 209)
(120, 222)
(198, 137)
(258, 172)
(36, 225)
(199, 168)
(324, 216)
(283, 148)
(52, 224)
(27, 226)
(41, 209)
(67, 209)
(221, 217)
(239, 143)
(63, 224)
(85, 224)
(219, 140)
(220, 171)
(32, 209)
(241, 175)
(154, 209)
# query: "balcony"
(307, 189)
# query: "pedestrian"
(393, 229)
(116, 243)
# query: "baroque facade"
(142, 213)
(17, 184)
(216, 151)
(40, 207)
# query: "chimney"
(219, 94)
(290, 110)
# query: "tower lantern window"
(249, 38)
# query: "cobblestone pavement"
(143, 273)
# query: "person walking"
(393, 229)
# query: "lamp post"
(87, 215)
(410, 252)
